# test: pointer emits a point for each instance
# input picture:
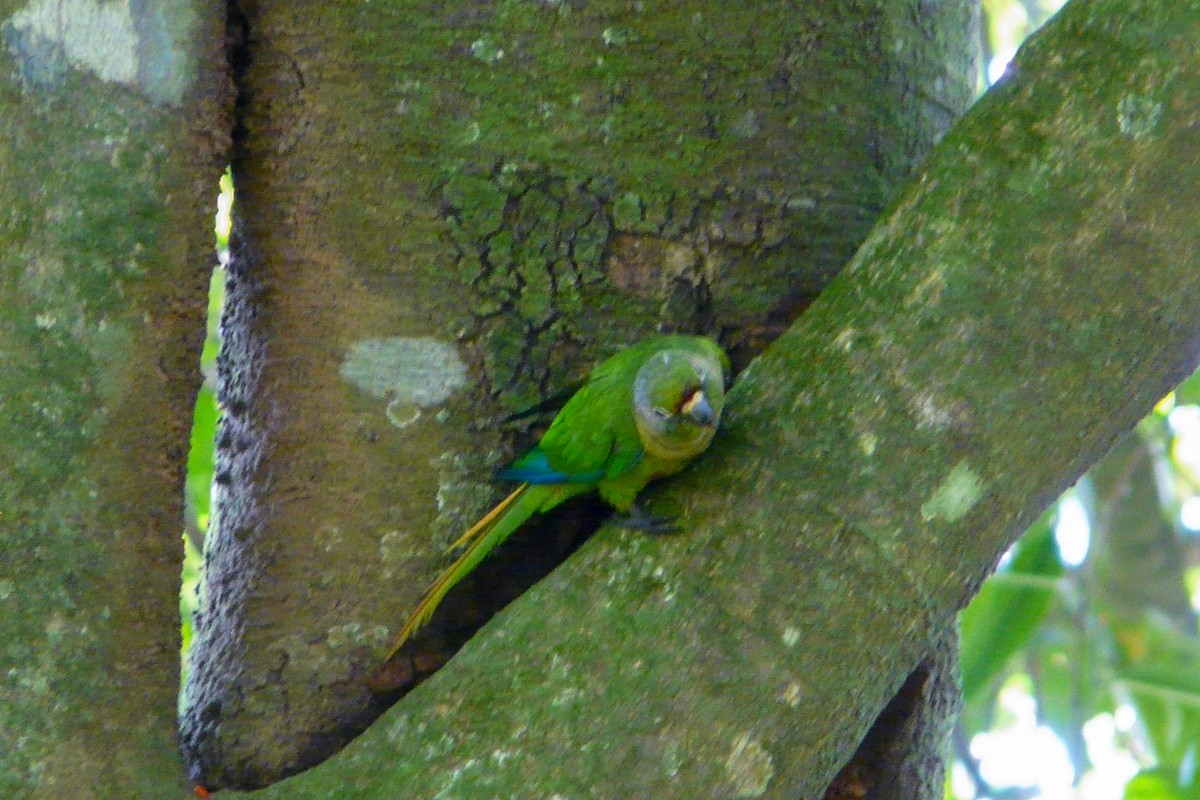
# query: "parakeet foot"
(639, 520)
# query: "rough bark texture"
(1027, 300)
(449, 210)
(903, 756)
(112, 138)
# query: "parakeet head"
(678, 396)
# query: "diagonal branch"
(1025, 302)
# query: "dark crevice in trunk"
(903, 755)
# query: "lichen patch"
(749, 767)
(411, 373)
(99, 37)
(1138, 116)
(955, 496)
(116, 41)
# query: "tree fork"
(1025, 302)
(448, 210)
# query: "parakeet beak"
(699, 409)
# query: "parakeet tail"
(481, 539)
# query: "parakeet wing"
(554, 403)
(594, 436)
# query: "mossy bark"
(903, 755)
(113, 134)
(449, 211)
(1024, 303)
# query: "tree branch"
(1024, 303)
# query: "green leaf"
(1010, 606)
(200, 457)
(212, 339)
(1188, 392)
(1161, 672)
(1069, 681)
(1159, 784)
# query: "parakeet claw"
(639, 520)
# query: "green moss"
(535, 303)
(497, 252)
(504, 347)
(627, 212)
(477, 197)
(553, 125)
(50, 638)
(60, 298)
(547, 84)
(534, 243)
(87, 273)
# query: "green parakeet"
(642, 414)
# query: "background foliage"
(198, 485)
(1080, 657)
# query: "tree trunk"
(112, 139)
(450, 211)
(1024, 304)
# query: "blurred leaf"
(222, 222)
(200, 463)
(1084, 656)
(1162, 675)
(1008, 24)
(212, 340)
(193, 561)
(1188, 392)
(1067, 662)
(1159, 784)
(1006, 613)
(200, 458)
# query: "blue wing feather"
(534, 467)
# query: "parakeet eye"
(690, 399)
(660, 412)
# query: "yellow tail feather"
(478, 544)
(481, 527)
